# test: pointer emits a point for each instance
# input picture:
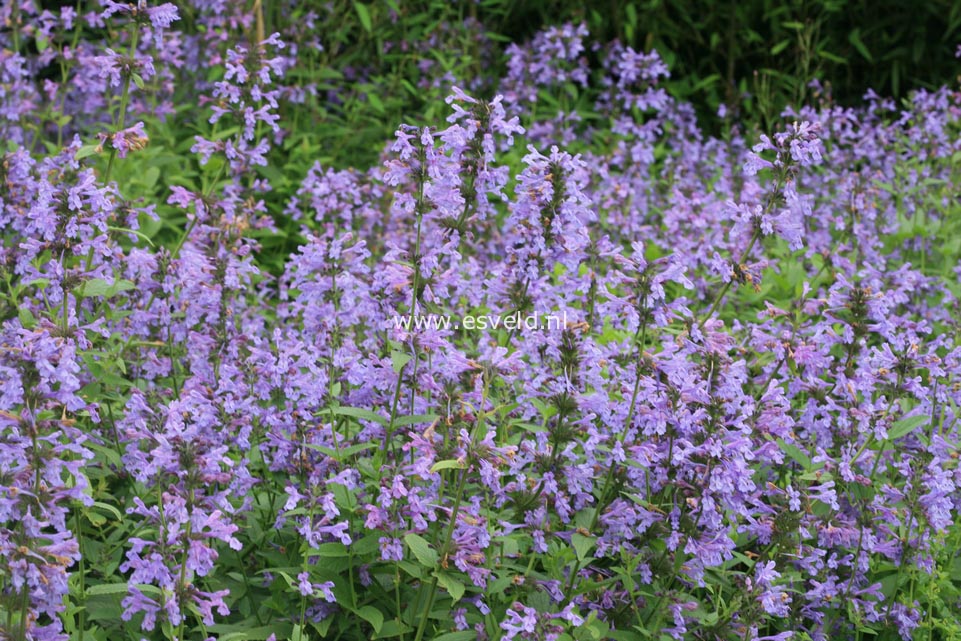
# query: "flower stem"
(182, 581)
(640, 337)
(82, 615)
(727, 285)
(458, 498)
(124, 98)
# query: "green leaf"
(393, 628)
(101, 288)
(336, 550)
(855, 39)
(27, 318)
(366, 544)
(121, 588)
(375, 101)
(582, 545)
(137, 80)
(354, 412)
(373, 616)
(411, 568)
(421, 549)
(905, 426)
(398, 359)
(344, 452)
(86, 150)
(107, 588)
(322, 626)
(817, 476)
(151, 176)
(795, 453)
(463, 635)
(454, 587)
(247, 633)
(447, 465)
(404, 421)
(364, 14)
(833, 57)
(124, 230)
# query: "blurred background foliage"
(758, 56)
(754, 57)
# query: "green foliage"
(758, 56)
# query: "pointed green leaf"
(421, 549)
(398, 359)
(364, 14)
(795, 453)
(582, 545)
(905, 426)
(373, 616)
(447, 465)
(454, 587)
(86, 150)
(463, 635)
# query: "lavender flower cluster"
(747, 429)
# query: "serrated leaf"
(421, 549)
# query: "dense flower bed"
(744, 425)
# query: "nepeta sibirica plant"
(558, 366)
